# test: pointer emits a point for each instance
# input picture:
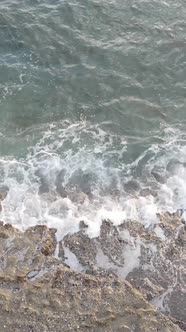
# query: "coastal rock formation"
(152, 260)
(39, 293)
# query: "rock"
(152, 260)
(38, 293)
(112, 242)
(49, 243)
(3, 194)
(162, 269)
(132, 186)
(83, 247)
(159, 178)
(82, 225)
(146, 192)
(78, 197)
(181, 324)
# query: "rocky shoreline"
(78, 284)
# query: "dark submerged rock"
(3, 194)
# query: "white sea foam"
(76, 158)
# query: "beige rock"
(38, 293)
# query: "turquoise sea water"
(92, 101)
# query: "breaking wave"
(81, 171)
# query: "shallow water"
(92, 100)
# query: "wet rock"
(6, 230)
(59, 184)
(61, 253)
(111, 242)
(26, 260)
(61, 191)
(159, 178)
(177, 304)
(146, 192)
(162, 267)
(38, 293)
(132, 186)
(152, 260)
(79, 197)
(3, 194)
(82, 246)
(181, 324)
(49, 243)
(82, 225)
(44, 237)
